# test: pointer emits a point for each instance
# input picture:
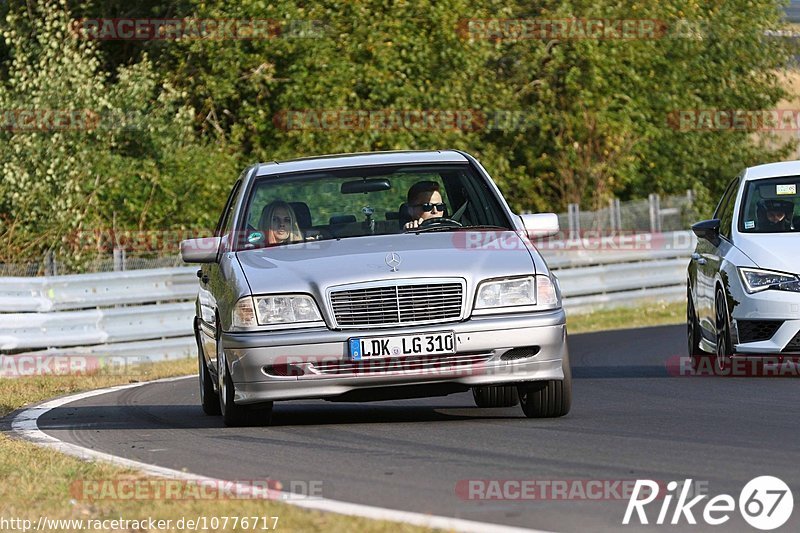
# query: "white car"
(744, 276)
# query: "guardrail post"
(655, 213)
(574, 217)
(119, 259)
(615, 214)
(611, 218)
(50, 264)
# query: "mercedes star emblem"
(393, 260)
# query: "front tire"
(724, 349)
(693, 328)
(495, 396)
(209, 398)
(548, 399)
(232, 414)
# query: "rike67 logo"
(766, 503)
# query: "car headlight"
(757, 280)
(505, 293)
(537, 291)
(284, 309)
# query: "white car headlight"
(757, 280)
(286, 309)
(506, 293)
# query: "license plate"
(402, 345)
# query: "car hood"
(772, 251)
(314, 266)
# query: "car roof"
(365, 159)
(773, 170)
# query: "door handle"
(699, 258)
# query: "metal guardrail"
(138, 351)
(96, 326)
(630, 271)
(85, 291)
(621, 278)
(148, 313)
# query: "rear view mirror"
(366, 185)
(202, 250)
(541, 224)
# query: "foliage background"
(182, 118)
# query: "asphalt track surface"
(630, 419)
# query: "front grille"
(397, 304)
(757, 330)
(794, 345)
(443, 364)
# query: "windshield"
(771, 206)
(361, 202)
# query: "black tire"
(548, 399)
(696, 354)
(724, 349)
(692, 326)
(237, 415)
(495, 396)
(209, 398)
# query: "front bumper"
(769, 305)
(321, 367)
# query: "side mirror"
(540, 224)
(200, 250)
(708, 230)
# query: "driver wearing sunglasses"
(424, 202)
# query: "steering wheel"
(440, 221)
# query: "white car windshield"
(771, 206)
(367, 201)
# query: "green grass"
(657, 314)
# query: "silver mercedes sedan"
(744, 276)
(376, 276)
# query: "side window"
(726, 209)
(724, 200)
(226, 220)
